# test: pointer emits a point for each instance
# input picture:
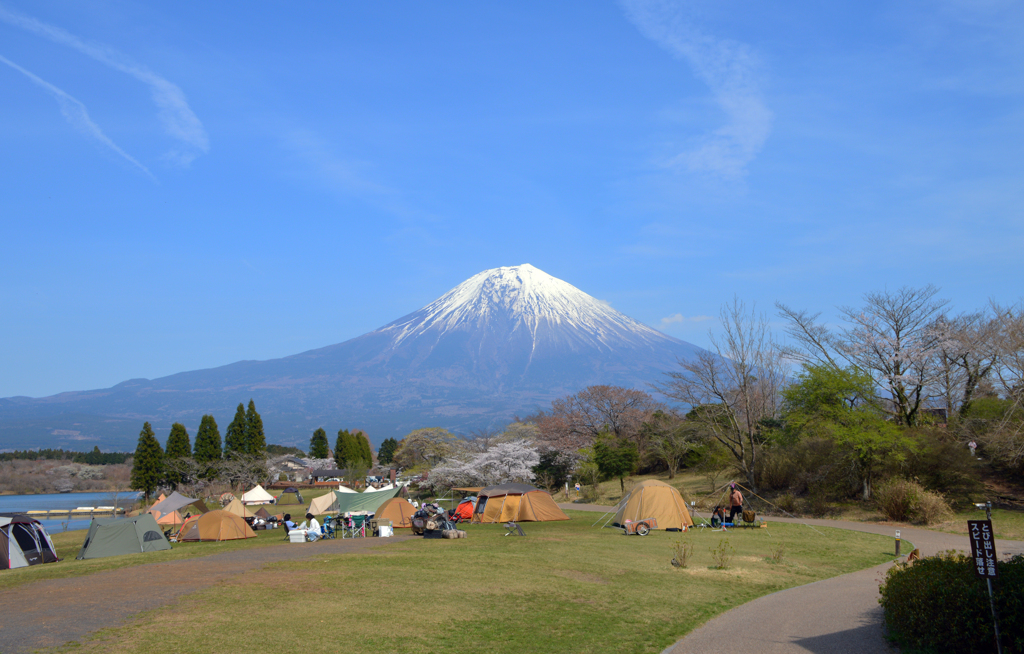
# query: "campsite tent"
(371, 489)
(345, 489)
(257, 496)
(369, 502)
(177, 501)
(236, 508)
(465, 509)
(262, 513)
(654, 499)
(517, 502)
(215, 526)
(113, 536)
(172, 519)
(323, 505)
(399, 511)
(24, 542)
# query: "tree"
(148, 466)
(207, 448)
(500, 463)
(234, 438)
(892, 338)
(347, 449)
(833, 403)
(552, 470)
(577, 420)
(365, 450)
(178, 444)
(671, 438)
(428, 446)
(318, 446)
(255, 439)
(386, 452)
(734, 387)
(615, 457)
(967, 354)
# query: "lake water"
(63, 501)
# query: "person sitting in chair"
(288, 524)
(313, 530)
(736, 503)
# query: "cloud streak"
(730, 69)
(75, 113)
(680, 318)
(178, 119)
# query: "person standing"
(577, 490)
(973, 446)
(735, 503)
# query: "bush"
(938, 605)
(903, 500)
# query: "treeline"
(95, 457)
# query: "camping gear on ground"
(640, 527)
(376, 523)
(368, 502)
(257, 496)
(176, 501)
(464, 511)
(354, 525)
(654, 499)
(513, 529)
(297, 536)
(24, 542)
(327, 530)
(749, 516)
(516, 503)
(215, 526)
(453, 533)
(397, 510)
(114, 536)
(238, 509)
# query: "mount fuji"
(504, 342)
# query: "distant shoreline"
(74, 492)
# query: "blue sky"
(186, 186)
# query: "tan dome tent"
(257, 496)
(215, 526)
(324, 504)
(399, 511)
(654, 499)
(236, 507)
(516, 502)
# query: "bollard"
(897, 542)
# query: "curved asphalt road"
(832, 616)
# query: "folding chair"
(513, 529)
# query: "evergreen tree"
(255, 439)
(234, 439)
(148, 468)
(318, 447)
(339, 448)
(348, 449)
(386, 453)
(207, 441)
(366, 452)
(615, 457)
(178, 444)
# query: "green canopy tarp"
(363, 501)
(114, 536)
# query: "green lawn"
(565, 587)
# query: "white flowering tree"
(503, 462)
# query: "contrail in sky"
(76, 114)
(177, 117)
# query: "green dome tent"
(115, 536)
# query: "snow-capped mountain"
(504, 342)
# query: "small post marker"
(897, 542)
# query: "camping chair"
(355, 527)
(514, 529)
(327, 531)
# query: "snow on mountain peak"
(524, 298)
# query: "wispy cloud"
(76, 114)
(178, 119)
(729, 68)
(680, 318)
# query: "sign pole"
(984, 561)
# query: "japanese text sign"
(983, 547)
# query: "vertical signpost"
(983, 554)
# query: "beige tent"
(654, 499)
(257, 496)
(399, 511)
(516, 502)
(324, 504)
(172, 519)
(236, 508)
(215, 526)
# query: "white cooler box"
(385, 531)
(297, 536)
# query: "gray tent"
(114, 536)
(178, 501)
(24, 542)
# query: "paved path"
(52, 612)
(832, 616)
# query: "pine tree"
(255, 439)
(318, 447)
(386, 453)
(207, 441)
(234, 439)
(339, 449)
(178, 444)
(365, 449)
(148, 468)
(352, 449)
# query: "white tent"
(257, 496)
(345, 489)
(371, 489)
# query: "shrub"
(786, 502)
(896, 497)
(683, 552)
(938, 605)
(777, 553)
(931, 508)
(722, 554)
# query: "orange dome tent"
(399, 511)
(465, 509)
(215, 526)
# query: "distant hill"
(506, 341)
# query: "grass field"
(566, 587)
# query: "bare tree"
(1008, 436)
(735, 386)
(892, 338)
(966, 356)
(575, 421)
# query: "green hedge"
(938, 605)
